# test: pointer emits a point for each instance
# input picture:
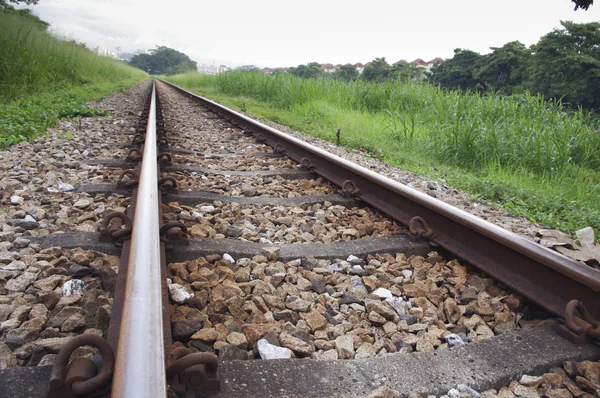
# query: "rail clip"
(419, 228)
(131, 181)
(189, 372)
(118, 233)
(579, 325)
(81, 378)
(134, 155)
(174, 233)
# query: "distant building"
(103, 52)
(208, 69)
(328, 68)
(435, 62)
(430, 64)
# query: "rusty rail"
(541, 275)
(140, 363)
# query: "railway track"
(238, 242)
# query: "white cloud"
(277, 33)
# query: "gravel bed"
(275, 187)
(239, 163)
(241, 308)
(49, 295)
(343, 309)
(317, 223)
(437, 189)
(197, 129)
(572, 379)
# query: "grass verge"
(521, 153)
(43, 79)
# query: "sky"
(278, 33)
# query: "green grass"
(520, 152)
(43, 79)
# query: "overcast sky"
(283, 33)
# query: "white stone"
(226, 256)
(531, 381)
(398, 304)
(207, 209)
(16, 200)
(454, 340)
(178, 293)
(270, 351)
(463, 388)
(382, 292)
(265, 241)
(351, 258)
(61, 187)
(335, 267)
(29, 218)
(74, 286)
(407, 273)
(357, 269)
(454, 393)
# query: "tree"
(565, 64)
(458, 72)
(312, 70)
(4, 4)
(505, 67)
(346, 73)
(24, 12)
(163, 60)
(583, 4)
(377, 70)
(403, 70)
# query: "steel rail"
(542, 275)
(140, 360)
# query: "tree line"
(376, 71)
(163, 61)
(563, 65)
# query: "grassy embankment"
(520, 152)
(43, 79)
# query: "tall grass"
(520, 151)
(43, 79)
(469, 130)
(31, 61)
